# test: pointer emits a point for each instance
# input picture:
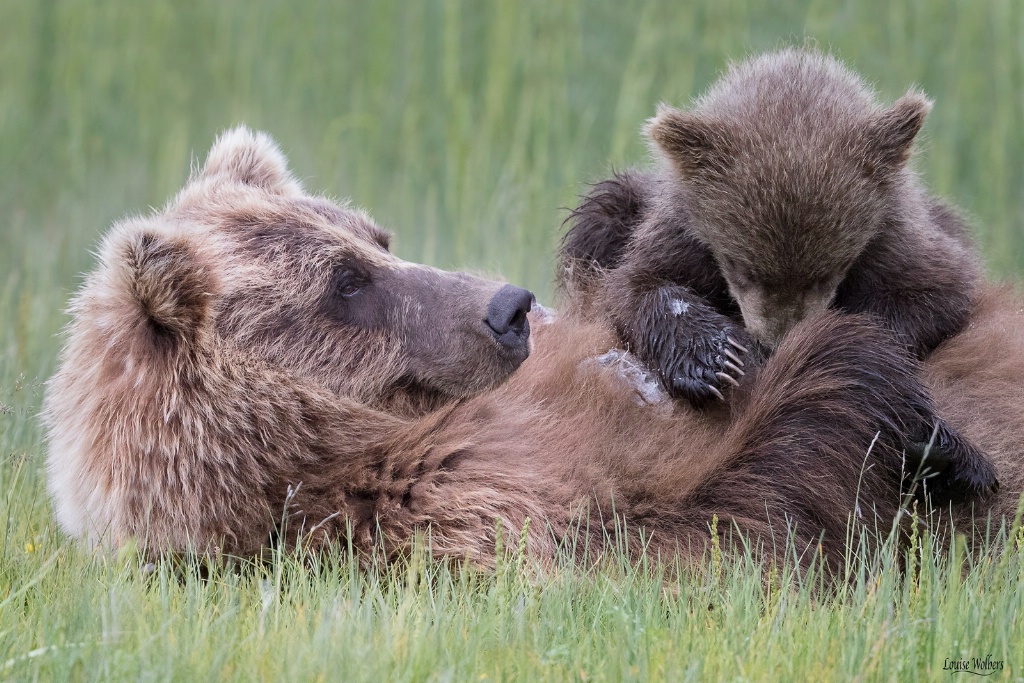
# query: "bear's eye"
(348, 283)
(348, 289)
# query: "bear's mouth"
(414, 393)
(410, 397)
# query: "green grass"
(464, 127)
(71, 616)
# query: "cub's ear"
(251, 158)
(161, 284)
(691, 143)
(892, 133)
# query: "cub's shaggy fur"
(250, 363)
(785, 191)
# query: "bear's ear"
(691, 143)
(251, 158)
(163, 280)
(891, 134)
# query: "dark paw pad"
(697, 353)
(703, 362)
(708, 371)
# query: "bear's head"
(247, 340)
(791, 168)
(243, 257)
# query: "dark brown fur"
(208, 401)
(785, 192)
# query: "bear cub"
(785, 191)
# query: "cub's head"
(244, 262)
(788, 166)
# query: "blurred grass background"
(466, 127)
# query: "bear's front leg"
(696, 352)
(953, 468)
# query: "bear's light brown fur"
(220, 388)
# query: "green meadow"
(467, 128)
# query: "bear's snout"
(506, 316)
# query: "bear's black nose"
(506, 315)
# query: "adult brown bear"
(251, 362)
